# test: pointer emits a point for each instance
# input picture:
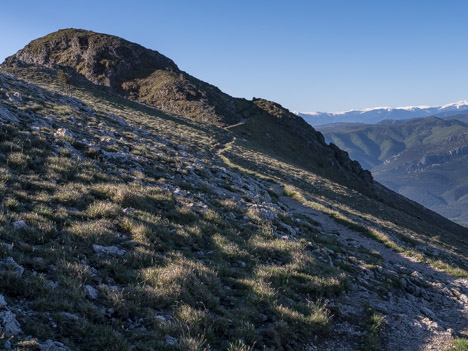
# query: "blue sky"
(324, 55)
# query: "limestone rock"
(91, 293)
(170, 340)
(108, 250)
(7, 116)
(8, 323)
(50, 345)
(10, 264)
(63, 133)
(19, 225)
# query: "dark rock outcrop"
(301, 133)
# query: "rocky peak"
(103, 59)
(130, 70)
(147, 76)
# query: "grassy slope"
(191, 273)
(209, 275)
(387, 207)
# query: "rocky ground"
(138, 228)
(427, 310)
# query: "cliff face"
(147, 76)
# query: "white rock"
(50, 345)
(3, 303)
(8, 323)
(108, 250)
(63, 132)
(18, 225)
(91, 292)
(118, 119)
(11, 264)
(264, 212)
(170, 340)
(69, 315)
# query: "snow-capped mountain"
(377, 114)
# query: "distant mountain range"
(377, 114)
(424, 159)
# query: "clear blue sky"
(307, 55)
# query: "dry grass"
(213, 278)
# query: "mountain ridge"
(125, 68)
(378, 114)
(146, 76)
(405, 154)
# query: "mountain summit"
(147, 76)
(131, 70)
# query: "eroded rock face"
(7, 116)
(103, 59)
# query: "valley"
(424, 159)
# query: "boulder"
(18, 225)
(91, 293)
(108, 250)
(50, 345)
(10, 264)
(8, 323)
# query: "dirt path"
(425, 312)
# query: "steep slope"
(145, 75)
(126, 228)
(377, 114)
(424, 159)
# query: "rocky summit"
(144, 75)
(143, 209)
